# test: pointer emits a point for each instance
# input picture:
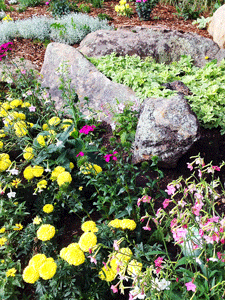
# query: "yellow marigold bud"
(87, 241)
(48, 208)
(46, 232)
(38, 171)
(63, 178)
(71, 165)
(30, 275)
(54, 121)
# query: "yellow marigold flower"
(18, 227)
(127, 6)
(37, 260)
(5, 162)
(48, 208)
(28, 153)
(2, 133)
(21, 116)
(5, 105)
(115, 223)
(30, 275)
(38, 171)
(3, 240)
(73, 254)
(42, 184)
(28, 173)
(89, 226)
(71, 165)
(89, 168)
(1, 144)
(54, 121)
(80, 188)
(26, 104)
(41, 140)
(87, 241)
(16, 182)
(2, 230)
(15, 103)
(45, 127)
(37, 220)
(11, 272)
(46, 232)
(128, 224)
(107, 274)
(30, 124)
(65, 126)
(124, 254)
(2, 261)
(55, 173)
(206, 57)
(63, 178)
(134, 267)
(48, 269)
(20, 128)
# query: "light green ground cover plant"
(145, 77)
(54, 168)
(69, 29)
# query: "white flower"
(13, 171)
(213, 259)
(48, 170)
(136, 293)
(161, 285)
(11, 195)
(59, 143)
(198, 261)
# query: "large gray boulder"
(86, 79)
(216, 26)
(163, 45)
(166, 128)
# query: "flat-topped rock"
(163, 45)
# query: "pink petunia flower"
(190, 286)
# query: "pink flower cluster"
(158, 263)
(87, 128)
(107, 157)
(4, 48)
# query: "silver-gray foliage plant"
(69, 29)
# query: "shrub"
(30, 3)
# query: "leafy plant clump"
(146, 77)
(69, 29)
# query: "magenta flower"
(190, 286)
(114, 289)
(23, 72)
(216, 168)
(32, 108)
(47, 3)
(87, 128)
(166, 202)
(80, 154)
(170, 189)
(107, 157)
(158, 262)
